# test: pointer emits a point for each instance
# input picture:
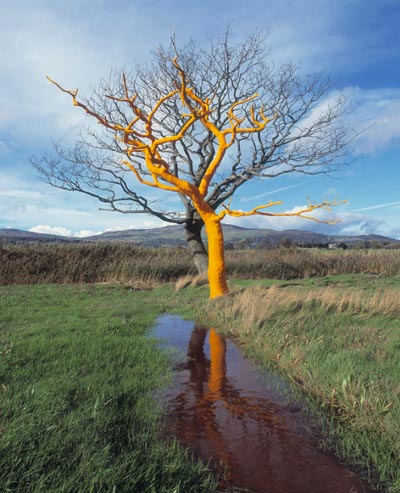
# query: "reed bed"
(91, 263)
(125, 263)
(298, 263)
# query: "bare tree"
(306, 133)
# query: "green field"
(79, 376)
(78, 379)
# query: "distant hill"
(166, 236)
(11, 235)
(174, 236)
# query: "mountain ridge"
(174, 236)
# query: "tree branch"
(260, 211)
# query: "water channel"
(240, 421)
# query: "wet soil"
(241, 421)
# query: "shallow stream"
(243, 422)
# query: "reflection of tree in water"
(248, 438)
(200, 409)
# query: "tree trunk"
(196, 246)
(216, 259)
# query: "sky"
(355, 42)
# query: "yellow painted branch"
(235, 213)
(160, 102)
(257, 211)
(73, 93)
(154, 184)
(176, 137)
(210, 172)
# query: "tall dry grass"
(297, 263)
(254, 307)
(122, 262)
(91, 262)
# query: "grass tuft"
(190, 281)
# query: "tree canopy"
(201, 124)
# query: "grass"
(78, 381)
(338, 340)
(79, 376)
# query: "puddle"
(242, 424)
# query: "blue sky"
(357, 42)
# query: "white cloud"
(85, 232)
(21, 194)
(375, 115)
(51, 230)
(52, 38)
(377, 111)
(114, 228)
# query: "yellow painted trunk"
(216, 259)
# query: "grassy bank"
(77, 405)
(125, 263)
(338, 339)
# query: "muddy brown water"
(241, 422)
